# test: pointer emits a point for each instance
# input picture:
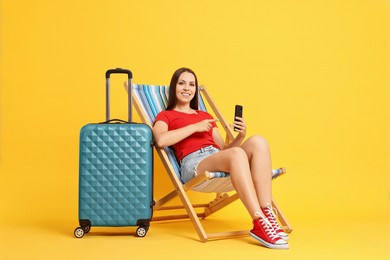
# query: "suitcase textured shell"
(116, 174)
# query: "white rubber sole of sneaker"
(285, 237)
(269, 245)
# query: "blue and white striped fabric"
(153, 99)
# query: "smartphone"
(237, 112)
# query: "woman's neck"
(184, 109)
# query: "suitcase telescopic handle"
(119, 71)
(129, 77)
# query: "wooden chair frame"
(221, 199)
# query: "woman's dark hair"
(172, 100)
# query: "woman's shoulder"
(167, 114)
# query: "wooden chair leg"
(283, 220)
(192, 214)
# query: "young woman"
(199, 147)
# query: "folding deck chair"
(149, 100)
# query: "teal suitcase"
(115, 172)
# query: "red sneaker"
(265, 234)
(268, 212)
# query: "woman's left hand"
(240, 126)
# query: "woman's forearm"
(174, 136)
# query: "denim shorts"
(190, 162)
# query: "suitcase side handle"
(129, 77)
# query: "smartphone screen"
(237, 112)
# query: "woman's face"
(185, 88)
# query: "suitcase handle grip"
(114, 121)
(129, 77)
(119, 71)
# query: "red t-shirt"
(175, 119)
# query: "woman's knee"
(237, 154)
(258, 141)
(238, 161)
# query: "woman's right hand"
(205, 125)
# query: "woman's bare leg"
(235, 161)
(249, 178)
(259, 156)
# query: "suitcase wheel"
(141, 231)
(86, 229)
(79, 232)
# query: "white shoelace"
(271, 214)
(267, 226)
